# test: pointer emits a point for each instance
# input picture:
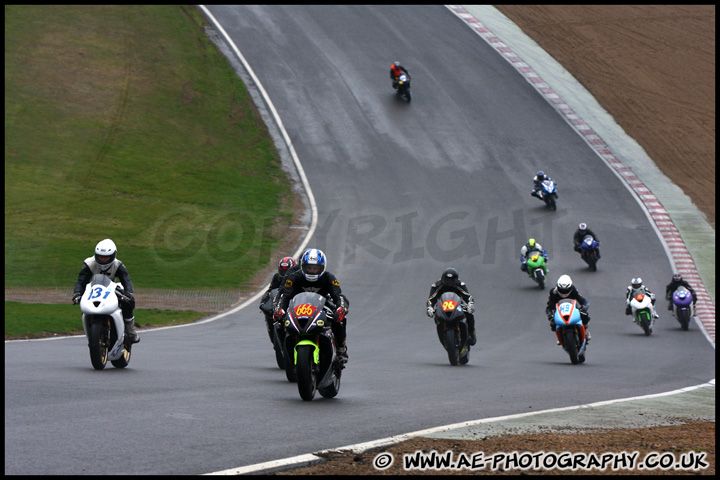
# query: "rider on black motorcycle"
(313, 277)
(285, 266)
(449, 282)
(395, 71)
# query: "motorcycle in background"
(403, 87)
(548, 193)
(683, 308)
(452, 327)
(570, 329)
(537, 269)
(589, 251)
(103, 323)
(275, 331)
(312, 358)
(641, 306)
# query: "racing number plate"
(449, 305)
(305, 310)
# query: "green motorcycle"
(537, 269)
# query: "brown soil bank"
(652, 68)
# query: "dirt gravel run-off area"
(653, 69)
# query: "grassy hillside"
(125, 122)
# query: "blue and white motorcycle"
(103, 323)
(548, 193)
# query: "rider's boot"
(130, 330)
(342, 351)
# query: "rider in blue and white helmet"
(313, 264)
(314, 277)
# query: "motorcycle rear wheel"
(306, 373)
(451, 345)
(98, 344)
(571, 345)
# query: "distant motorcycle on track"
(403, 87)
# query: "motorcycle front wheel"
(592, 262)
(451, 345)
(683, 317)
(306, 373)
(98, 343)
(644, 321)
(571, 345)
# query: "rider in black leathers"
(449, 282)
(677, 281)
(579, 236)
(566, 289)
(312, 277)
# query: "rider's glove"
(76, 298)
(340, 314)
(279, 314)
(430, 312)
(470, 308)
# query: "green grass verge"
(126, 122)
(40, 320)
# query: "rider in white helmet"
(566, 289)
(580, 234)
(105, 261)
(635, 288)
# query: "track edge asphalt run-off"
(682, 228)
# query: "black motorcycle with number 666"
(311, 350)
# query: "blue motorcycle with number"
(311, 351)
(570, 330)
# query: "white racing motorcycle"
(103, 323)
(641, 305)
